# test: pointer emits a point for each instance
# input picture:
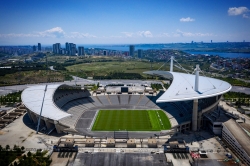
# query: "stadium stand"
(77, 101)
(143, 101)
(95, 101)
(124, 99)
(114, 99)
(103, 99)
(134, 99)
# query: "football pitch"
(131, 120)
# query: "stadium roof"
(182, 87)
(32, 98)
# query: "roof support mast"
(38, 125)
(171, 63)
(196, 86)
(195, 102)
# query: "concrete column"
(48, 124)
(195, 115)
(58, 129)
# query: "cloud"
(79, 35)
(11, 35)
(180, 33)
(188, 19)
(235, 11)
(127, 34)
(145, 34)
(245, 16)
(56, 32)
(138, 34)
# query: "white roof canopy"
(182, 87)
(32, 98)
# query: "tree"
(15, 163)
(22, 148)
(29, 154)
(7, 147)
(1, 147)
(24, 157)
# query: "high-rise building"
(54, 48)
(34, 48)
(81, 51)
(140, 53)
(39, 47)
(211, 41)
(67, 46)
(105, 52)
(58, 48)
(131, 50)
(73, 51)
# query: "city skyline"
(123, 22)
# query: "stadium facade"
(71, 109)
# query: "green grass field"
(131, 120)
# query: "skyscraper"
(54, 48)
(67, 46)
(58, 48)
(140, 53)
(34, 48)
(73, 51)
(105, 52)
(131, 50)
(39, 47)
(81, 51)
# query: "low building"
(69, 142)
(110, 143)
(90, 142)
(131, 143)
(152, 143)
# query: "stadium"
(126, 111)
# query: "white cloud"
(234, 11)
(138, 34)
(54, 32)
(127, 34)
(11, 35)
(79, 35)
(245, 16)
(188, 19)
(145, 34)
(180, 33)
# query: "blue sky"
(123, 21)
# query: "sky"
(27, 22)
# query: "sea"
(222, 54)
(162, 46)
